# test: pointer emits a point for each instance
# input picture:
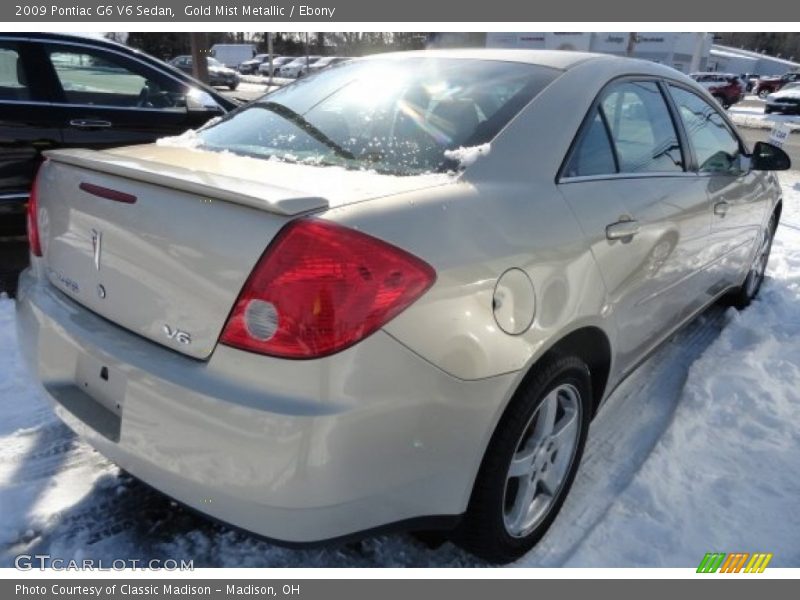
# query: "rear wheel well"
(591, 345)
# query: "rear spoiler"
(254, 194)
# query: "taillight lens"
(34, 240)
(320, 288)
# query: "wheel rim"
(759, 265)
(542, 461)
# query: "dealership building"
(673, 49)
(736, 60)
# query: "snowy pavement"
(698, 451)
(754, 117)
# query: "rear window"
(389, 115)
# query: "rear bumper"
(297, 451)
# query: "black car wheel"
(745, 294)
(530, 463)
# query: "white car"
(324, 63)
(785, 100)
(277, 63)
(297, 67)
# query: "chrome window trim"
(614, 176)
(178, 110)
(14, 196)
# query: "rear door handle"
(721, 208)
(89, 123)
(622, 230)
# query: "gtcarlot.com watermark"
(42, 562)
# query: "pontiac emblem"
(97, 243)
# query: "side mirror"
(767, 157)
(198, 100)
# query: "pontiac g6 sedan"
(393, 294)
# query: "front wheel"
(743, 296)
(763, 93)
(530, 464)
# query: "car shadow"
(119, 517)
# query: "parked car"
(232, 55)
(323, 63)
(218, 74)
(250, 67)
(277, 63)
(70, 91)
(373, 300)
(786, 100)
(294, 69)
(768, 85)
(727, 88)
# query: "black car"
(69, 91)
(218, 74)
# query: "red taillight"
(34, 241)
(320, 288)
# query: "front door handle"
(622, 230)
(721, 208)
(89, 123)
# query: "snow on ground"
(754, 117)
(698, 451)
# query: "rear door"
(105, 98)
(27, 127)
(646, 217)
(27, 123)
(736, 198)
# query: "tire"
(232, 86)
(500, 525)
(746, 293)
(763, 93)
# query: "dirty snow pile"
(698, 451)
(754, 117)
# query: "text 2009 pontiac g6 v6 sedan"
(394, 293)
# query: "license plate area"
(104, 384)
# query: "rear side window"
(13, 81)
(593, 154)
(641, 128)
(715, 146)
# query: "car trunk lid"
(163, 249)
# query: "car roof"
(557, 59)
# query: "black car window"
(13, 80)
(593, 154)
(91, 77)
(717, 149)
(641, 128)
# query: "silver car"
(393, 294)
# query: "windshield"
(213, 62)
(395, 116)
